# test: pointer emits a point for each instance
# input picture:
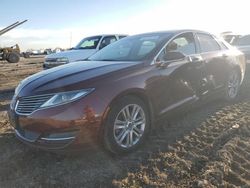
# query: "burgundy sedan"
(118, 94)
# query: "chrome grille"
(27, 105)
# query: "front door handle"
(195, 59)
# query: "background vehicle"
(230, 37)
(123, 89)
(39, 52)
(243, 44)
(85, 48)
(11, 54)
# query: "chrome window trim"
(179, 103)
(177, 63)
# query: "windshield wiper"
(107, 60)
(86, 59)
(82, 48)
(86, 48)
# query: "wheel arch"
(240, 72)
(136, 92)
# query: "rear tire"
(13, 57)
(127, 125)
(233, 86)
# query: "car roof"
(104, 35)
(174, 32)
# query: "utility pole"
(70, 40)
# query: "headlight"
(66, 97)
(62, 60)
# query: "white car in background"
(85, 48)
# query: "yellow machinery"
(11, 54)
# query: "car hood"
(67, 77)
(73, 55)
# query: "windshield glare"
(135, 48)
(88, 43)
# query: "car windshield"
(134, 48)
(88, 43)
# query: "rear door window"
(207, 43)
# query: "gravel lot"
(207, 147)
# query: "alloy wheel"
(233, 84)
(129, 125)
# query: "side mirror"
(173, 56)
(170, 57)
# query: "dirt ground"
(207, 147)
(12, 74)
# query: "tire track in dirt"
(214, 154)
(158, 141)
(183, 152)
(208, 147)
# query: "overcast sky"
(62, 23)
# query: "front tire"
(233, 86)
(127, 125)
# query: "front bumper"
(36, 140)
(61, 128)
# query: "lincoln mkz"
(118, 94)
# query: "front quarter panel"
(237, 60)
(136, 82)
